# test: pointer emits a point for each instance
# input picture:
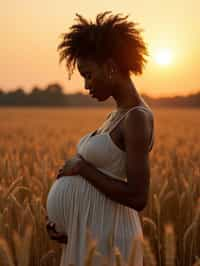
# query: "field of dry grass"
(33, 145)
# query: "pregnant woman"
(104, 186)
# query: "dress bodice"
(103, 153)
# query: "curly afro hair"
(110, 37)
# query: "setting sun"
(163, 56)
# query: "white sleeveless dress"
(76, 206)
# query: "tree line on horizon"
(53, 95)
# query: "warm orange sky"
(30, 34)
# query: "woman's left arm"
(134, 192)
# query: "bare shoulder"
(137, 129)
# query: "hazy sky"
(30, 34)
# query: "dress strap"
(121, 118)
(144, 109)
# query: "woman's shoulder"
(139, 126)
(139, 115)
(144, 108)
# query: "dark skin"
(131, 135)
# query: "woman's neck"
(126, 95)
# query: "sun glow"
(163, 56)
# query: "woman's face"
(96, 78)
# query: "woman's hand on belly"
(53, 234)
(71, 167)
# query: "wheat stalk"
(45, 257)
(12, 187)
(132, 254)
(148, 254)
(90, 253)
(169, 245)
(23, 246)
(118, 258)
(163, 189)
(5, 254)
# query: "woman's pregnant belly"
(73, 201)
(63, 200)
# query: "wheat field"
(34, 142)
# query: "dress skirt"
(81, 211)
